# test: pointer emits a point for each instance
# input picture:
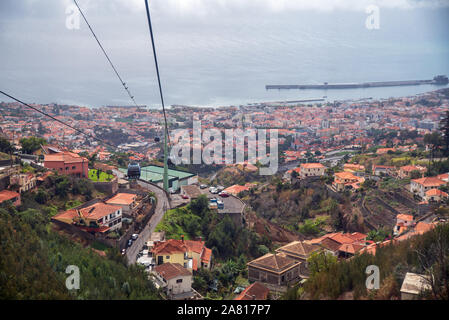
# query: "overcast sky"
(43, 61)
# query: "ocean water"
(223, 58)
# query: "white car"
(135, 236)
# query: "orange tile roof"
(98, 210)
(429, 182)
(422, 227)
(171, 270)
(357, 236)
(206, 256)
(413, 168)
(6, 195)
(436, 192)
(341, 238)
(66, 216)
(256, 291)
(405, 217)
(346, 175)
(351, 248)
(169, 247)
(67, 157)
(312, 165)
(194, 246)
(236, 189)
(122, 198)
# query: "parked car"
(123, 252)
(223, 194)
(184, 196)
(214, 191)
(129, 244)
(172, 191)
(203, 186)
(220, 188)
(220, 204)
(134, 236)
(211, 189)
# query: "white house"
(421, 186)
(312, 170)
(414, 285)
(175, 279)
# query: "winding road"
(162, 205)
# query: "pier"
(438, 80)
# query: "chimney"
(182, 238)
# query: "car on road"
(123, 252)
(134, 236)
(224, 194)
(203, 186)
(129, 244)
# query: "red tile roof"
(312, 165)
(122, 198)
(256, 291)
(6, 195)
(67, 157)
(429, 182)
(171, 270)
(98, 210)
(169, 247)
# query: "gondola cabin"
(133, 171)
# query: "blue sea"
(223, 58)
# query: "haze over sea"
(218, 55)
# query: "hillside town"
(356, 179)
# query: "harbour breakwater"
(437, 80)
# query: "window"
(73, 168)
(179, 281)
(167, 257)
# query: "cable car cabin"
(133, 171)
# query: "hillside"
(36, 257)
(420, 254)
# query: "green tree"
(32, 144)
(320, 261)
(435, 141)
(5, 146)
(444, 128)
(41, 196)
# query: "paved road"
(162, 206)
(231, 204)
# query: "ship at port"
(437, 80)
